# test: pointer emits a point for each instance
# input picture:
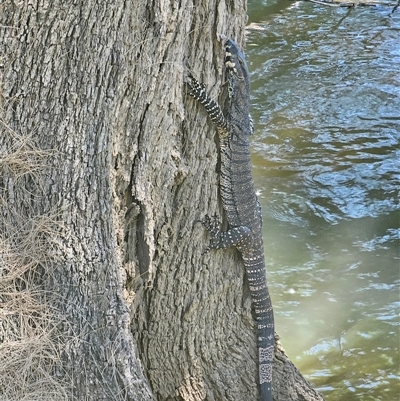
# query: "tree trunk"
(106, 165)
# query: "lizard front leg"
(198, 91)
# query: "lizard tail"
(255, 268)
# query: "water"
(326, 151)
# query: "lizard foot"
(197, 89)
(212, 225)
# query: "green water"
(326, 106)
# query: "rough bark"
(128, 165)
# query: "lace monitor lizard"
(239, 198)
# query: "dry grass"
(21, 157)
(29, 346)
(28, 362)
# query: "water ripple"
(326, 154)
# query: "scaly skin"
(239, 199)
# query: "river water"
(326, 154)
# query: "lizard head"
(238, 73)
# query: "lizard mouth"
(235, 62)
(230, 55)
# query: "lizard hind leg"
(236, 236)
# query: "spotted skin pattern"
(239, 199)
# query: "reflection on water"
(326, 103)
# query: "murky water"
(326, 106)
